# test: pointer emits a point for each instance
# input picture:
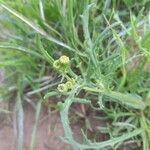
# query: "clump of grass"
(107, 47)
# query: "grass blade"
(33, 135)
(20, 126)
(35, 27)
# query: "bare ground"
(48, 131)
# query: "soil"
(48, 131)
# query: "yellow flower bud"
(64, 60)
(62, 88)
(70, 83)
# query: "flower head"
(62, 88)
(70, 83)
(64, 60)
(62, 64)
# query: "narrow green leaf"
(44, 52)
(21, 49)
(33, 134)
(49, 94)
(130, 100)
(19, 121)
(34, 26)
(112, 141)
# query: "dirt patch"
(6, 137)
(48, 131)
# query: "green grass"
(108, 44)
